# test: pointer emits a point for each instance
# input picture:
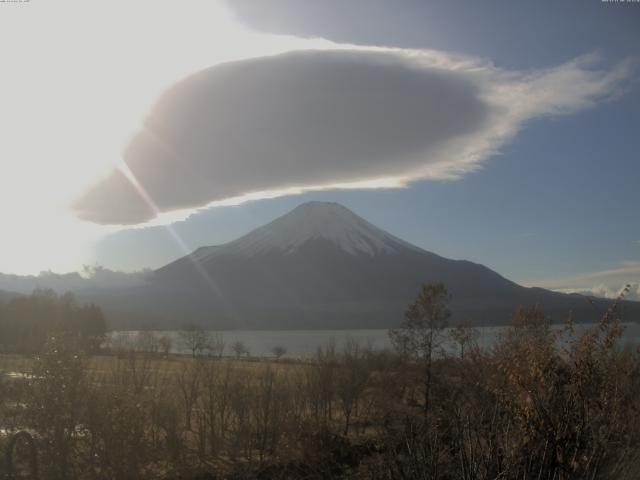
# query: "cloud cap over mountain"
(324, 118)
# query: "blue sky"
(518, 35)
(559, 200)
(554, 205)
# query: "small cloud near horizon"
(605, 283)
(605, 291)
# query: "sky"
(135, 132)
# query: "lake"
(302, 343)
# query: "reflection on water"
(17, 375)
(305, 342)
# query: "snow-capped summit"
(312, 221)
(322, 266)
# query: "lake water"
(302, 343)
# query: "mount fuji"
(321, 266)
(312, 221)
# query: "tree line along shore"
(528, 407)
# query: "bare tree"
(119, 342)
(465, 336)
(194, 339)
(421, 332)
(165, 343)
(320, 384)
(147, 341)
(351, 380)
(58, 400)
(239, 349)
(188, 381)
(215, 345)
(279, 351)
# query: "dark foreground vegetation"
(541, 404)
(26, 321)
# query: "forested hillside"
(27, 320)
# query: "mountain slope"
(322, 266)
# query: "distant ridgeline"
(26, 321)
(321, 266)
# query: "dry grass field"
(525, 408)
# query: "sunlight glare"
(78, 79)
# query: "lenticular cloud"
(321, 118)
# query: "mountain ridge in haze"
(322, 266)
